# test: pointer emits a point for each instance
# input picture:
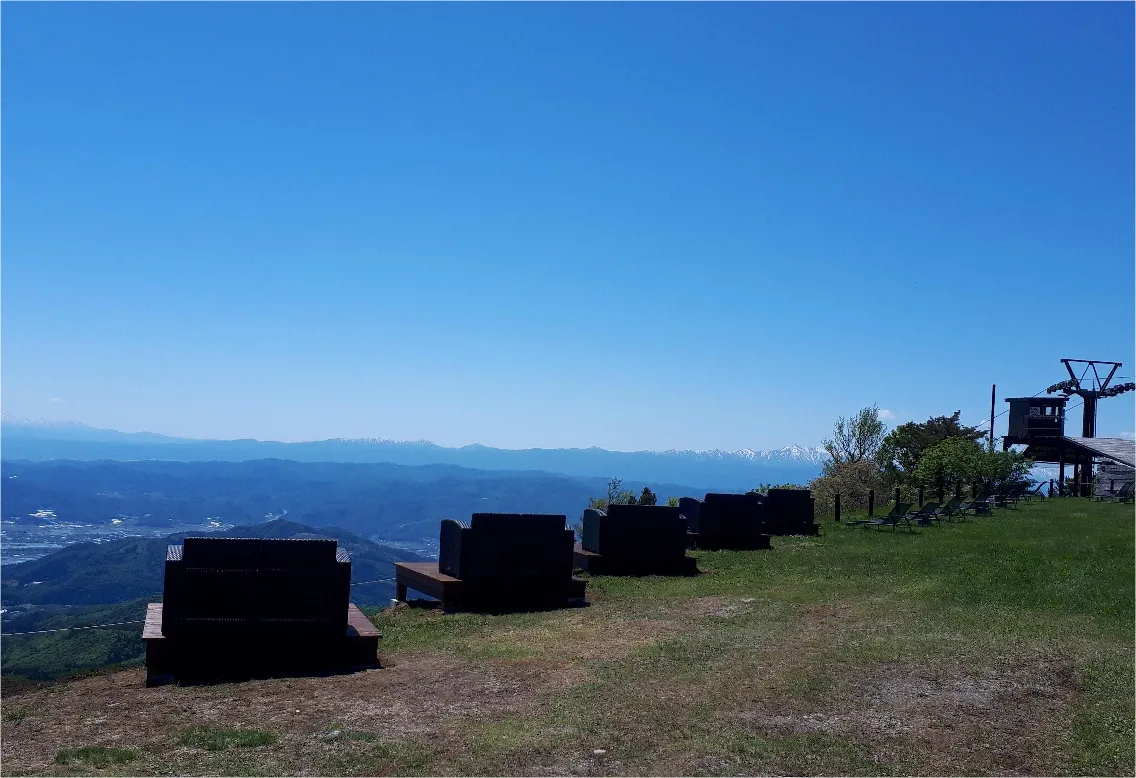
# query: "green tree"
(764, 488)
(903, 447)
(616, 495)
(856, 438)
(1003, 468)
(647, 497)
(672, 502)
(965, 462)
(954, 461)
(853, 470)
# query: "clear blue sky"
(631, 226)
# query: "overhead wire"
(69, 629)
(986, 422)
(140, 621)
(1003, 413)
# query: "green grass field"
(997, 645)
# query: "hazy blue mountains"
(129, 568)
(704, 470)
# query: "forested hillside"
(119, 570)
(394, 501)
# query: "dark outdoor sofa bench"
(790, 512)
(245, 607)
(725, 521)
(634, 540)
(501, 561)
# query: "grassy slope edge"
(996, 645)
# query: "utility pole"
(993, 388)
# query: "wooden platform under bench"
(599, 564)
(455, 594)
(170, 660)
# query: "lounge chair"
(1017, 494)
(951, 509)
(1123, 494)
(979, 506)
(893, 520)
(927, 513)
(900, 509)
(1004, 497)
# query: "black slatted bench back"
(639, 532)
(505, 547)
(788, 511)
(254, 585)
(731, 517)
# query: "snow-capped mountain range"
(815, 454)
(713, 469)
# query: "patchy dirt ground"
(847, 662)
(413, 697)
(719, 606)
(953, 717)
(578, 637)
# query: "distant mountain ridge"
(712, 469)
(797, 453)
(394, 502)
(125, 569)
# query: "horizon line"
(25, 421)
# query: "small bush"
(366, 737)
(15, 715)
(217, 739)
(96, 756)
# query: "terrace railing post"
(958, 489)
(871, 502)
(897, 495)
(920, 495)
(836, 500)
(1061, 473)
(1050, 487)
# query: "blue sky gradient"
(636, 226)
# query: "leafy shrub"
(15, 715)
(764, 488)
(852, 481)
(959, 461)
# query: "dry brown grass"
(417, 696)
(879, 657)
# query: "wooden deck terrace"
(169, 660)
(455, 594)
(599, 564)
